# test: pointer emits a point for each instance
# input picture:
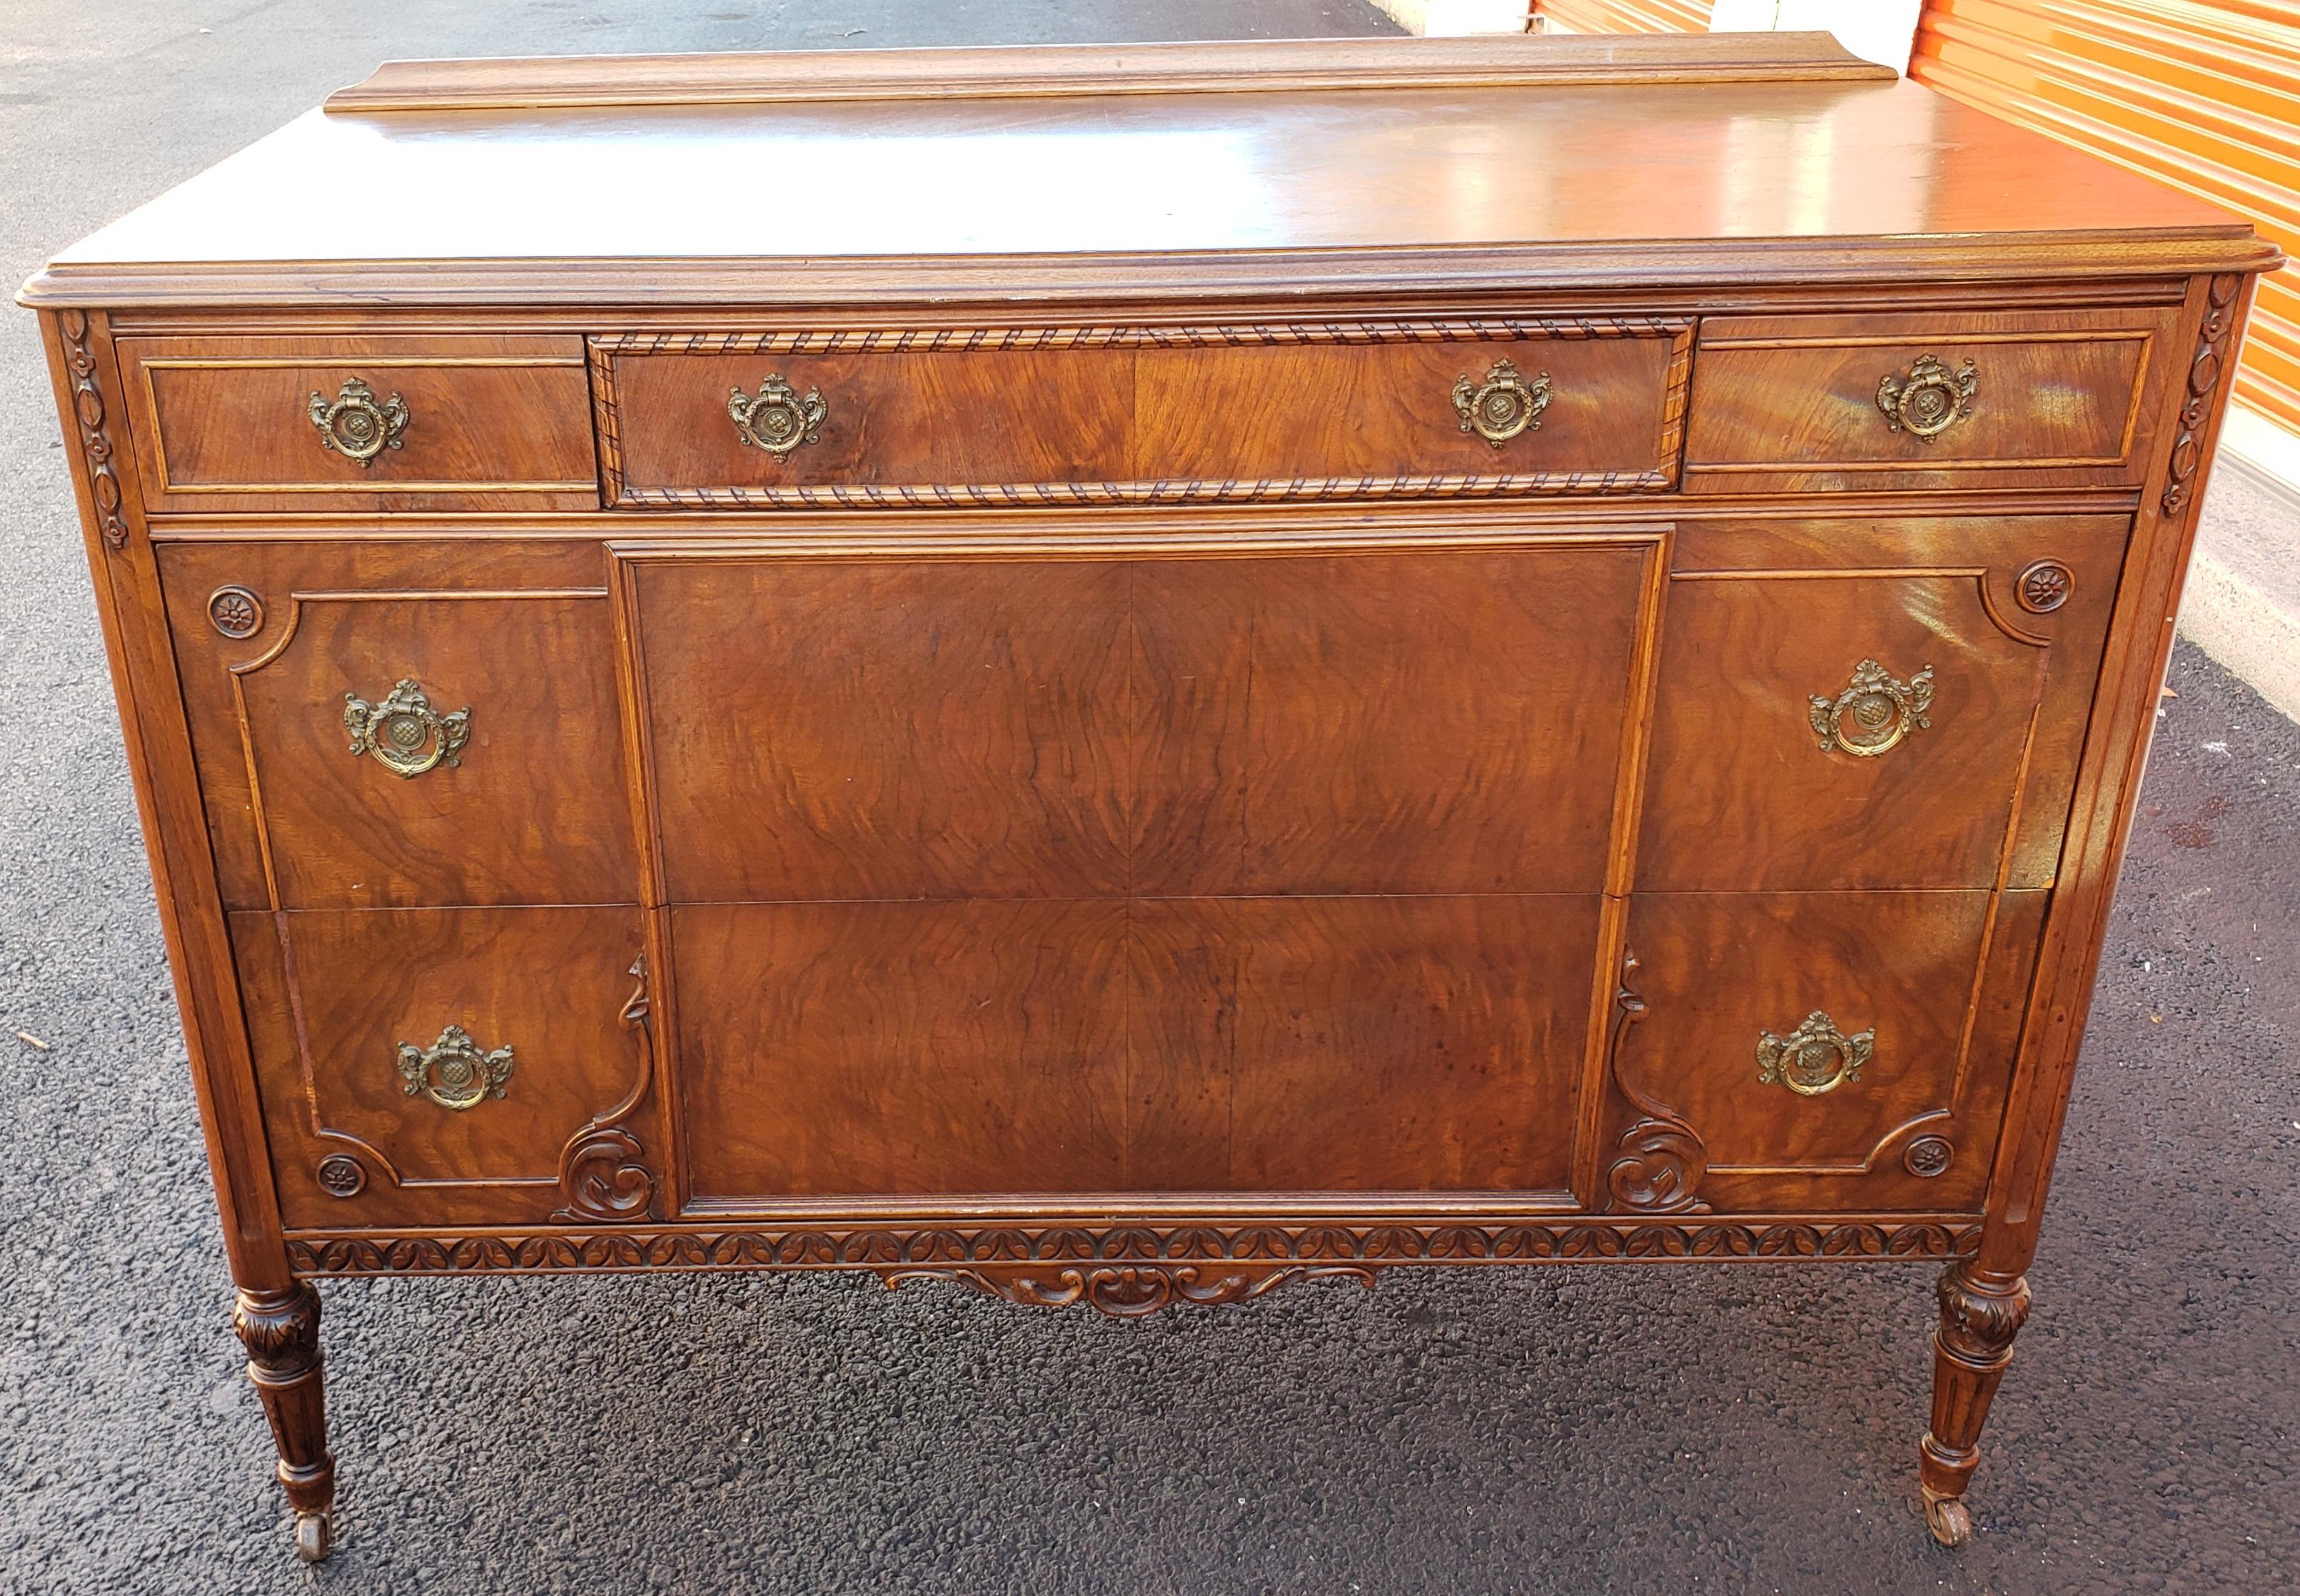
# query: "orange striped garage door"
(2201, 94)
(1626, 16)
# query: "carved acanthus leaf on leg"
(1981, 1311)
(281, 1333)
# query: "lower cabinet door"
(1088, 868)
(1820, 1052)
(436, 1067)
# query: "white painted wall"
(1878, 30)
(1453, 19)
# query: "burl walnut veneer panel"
(490, 422)
(1473, 651)
(1099, 1046)
(1097, 725)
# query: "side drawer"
(373, 423)
(404, 725)
(1084, 415)
(440, 1067)
(1818, 1052)
(2048, 398)
(1874, 704)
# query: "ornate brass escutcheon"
(356, 425)
(776, 419)
(1928, 401)
(403, 733)
(453, 1071)
(1502, 405)
(1814, 1058)
(1874, 712)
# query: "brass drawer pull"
(453, 1072)
(1814, 1058)
(776, 419)
(1502, 405)
(1874, 712)
(354, 425)
(1928, 401)
(403, 733)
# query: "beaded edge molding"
(94, 430)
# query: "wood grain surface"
(1186, 898)
(1720, 969)
(1219, 1045)
(1745, 797)
(1385, 721)
(1793, 400)
(499, 422)
(334, 994)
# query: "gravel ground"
(1735, 1428)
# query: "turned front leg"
(281, 1333)
(1981, 1313)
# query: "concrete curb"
(2242, 604)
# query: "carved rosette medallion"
(340, 1175)
(1929, 1156)
(1874, 712)
(2045, 586)
(1659, 1160)
(234, 611)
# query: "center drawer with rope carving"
(1089, 415)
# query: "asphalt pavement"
(1736, 1428)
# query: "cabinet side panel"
(167, 793)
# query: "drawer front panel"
(376, 741)
(306, 424)
(2050, 398)
(1765, 775)
(336, 1004)
(1101, 415)
(1384, 720)
(1235, 1044)
(1825, 1050)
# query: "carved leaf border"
(1019, 1248)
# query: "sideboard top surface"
(1308, 166)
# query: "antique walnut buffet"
(1127, 675)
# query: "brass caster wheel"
(315, 1536)
(1950, 1523)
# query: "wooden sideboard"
(1123, 676)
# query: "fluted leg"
(1981, 1313)
(281, 1333)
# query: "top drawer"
(1088, 415)
(369, 423)
(2036, 399)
